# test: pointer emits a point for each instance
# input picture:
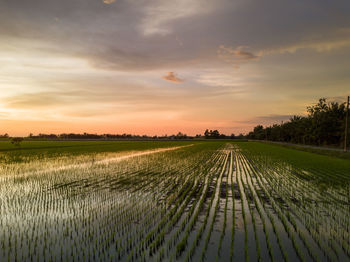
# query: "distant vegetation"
(208, 134)
(324, 125)
(215, 134)
(16, 140)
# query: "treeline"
(324, 125)
(208, 134)
(81, 136)
(215, 134)
(102, 136)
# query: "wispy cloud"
(320, 43)
(108, 2)
(159, 14)
(266, 120)
(235, 55)
(34, 100)
(172, 77)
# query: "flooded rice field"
(204, 201)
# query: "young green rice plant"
(272, 220)
(282, 185)
(225, 220)
(214, 196)
(257, 205)
(233, 208)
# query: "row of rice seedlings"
(318, 194)
(254, 206)
(286, 225)
(225, 209)
(276, 187)
(182, 219)
(245, 211)
(185, 219)
(73, 236)
(199, 233)
(152, 240)
(143, 248)
(313, 224)
(249, 163)
(213, 210)
(301, 236)
(233, 172)
(129, 242)
(213, 250)
(334, 206)
(258, 205)
(238, 181)
(271, 187)
(315, 174)
(188, 223)
(240, 240)
(295, 209)
(185, 229)
(293, 234)
(271, 217)
(316, 230)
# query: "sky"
(158, 67)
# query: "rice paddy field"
(171, 201)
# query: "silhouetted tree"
(324, 125)
(16, 141)
(212, 134)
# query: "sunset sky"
(159, 67)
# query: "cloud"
(267, 120)
(235, 55)
(338, 99)
(171, 76)
(340, 38)
(108, 2)
(322, 46)
(159, 14)
(34, 100)
(330, 41)
(225, 77)
(178, 40)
